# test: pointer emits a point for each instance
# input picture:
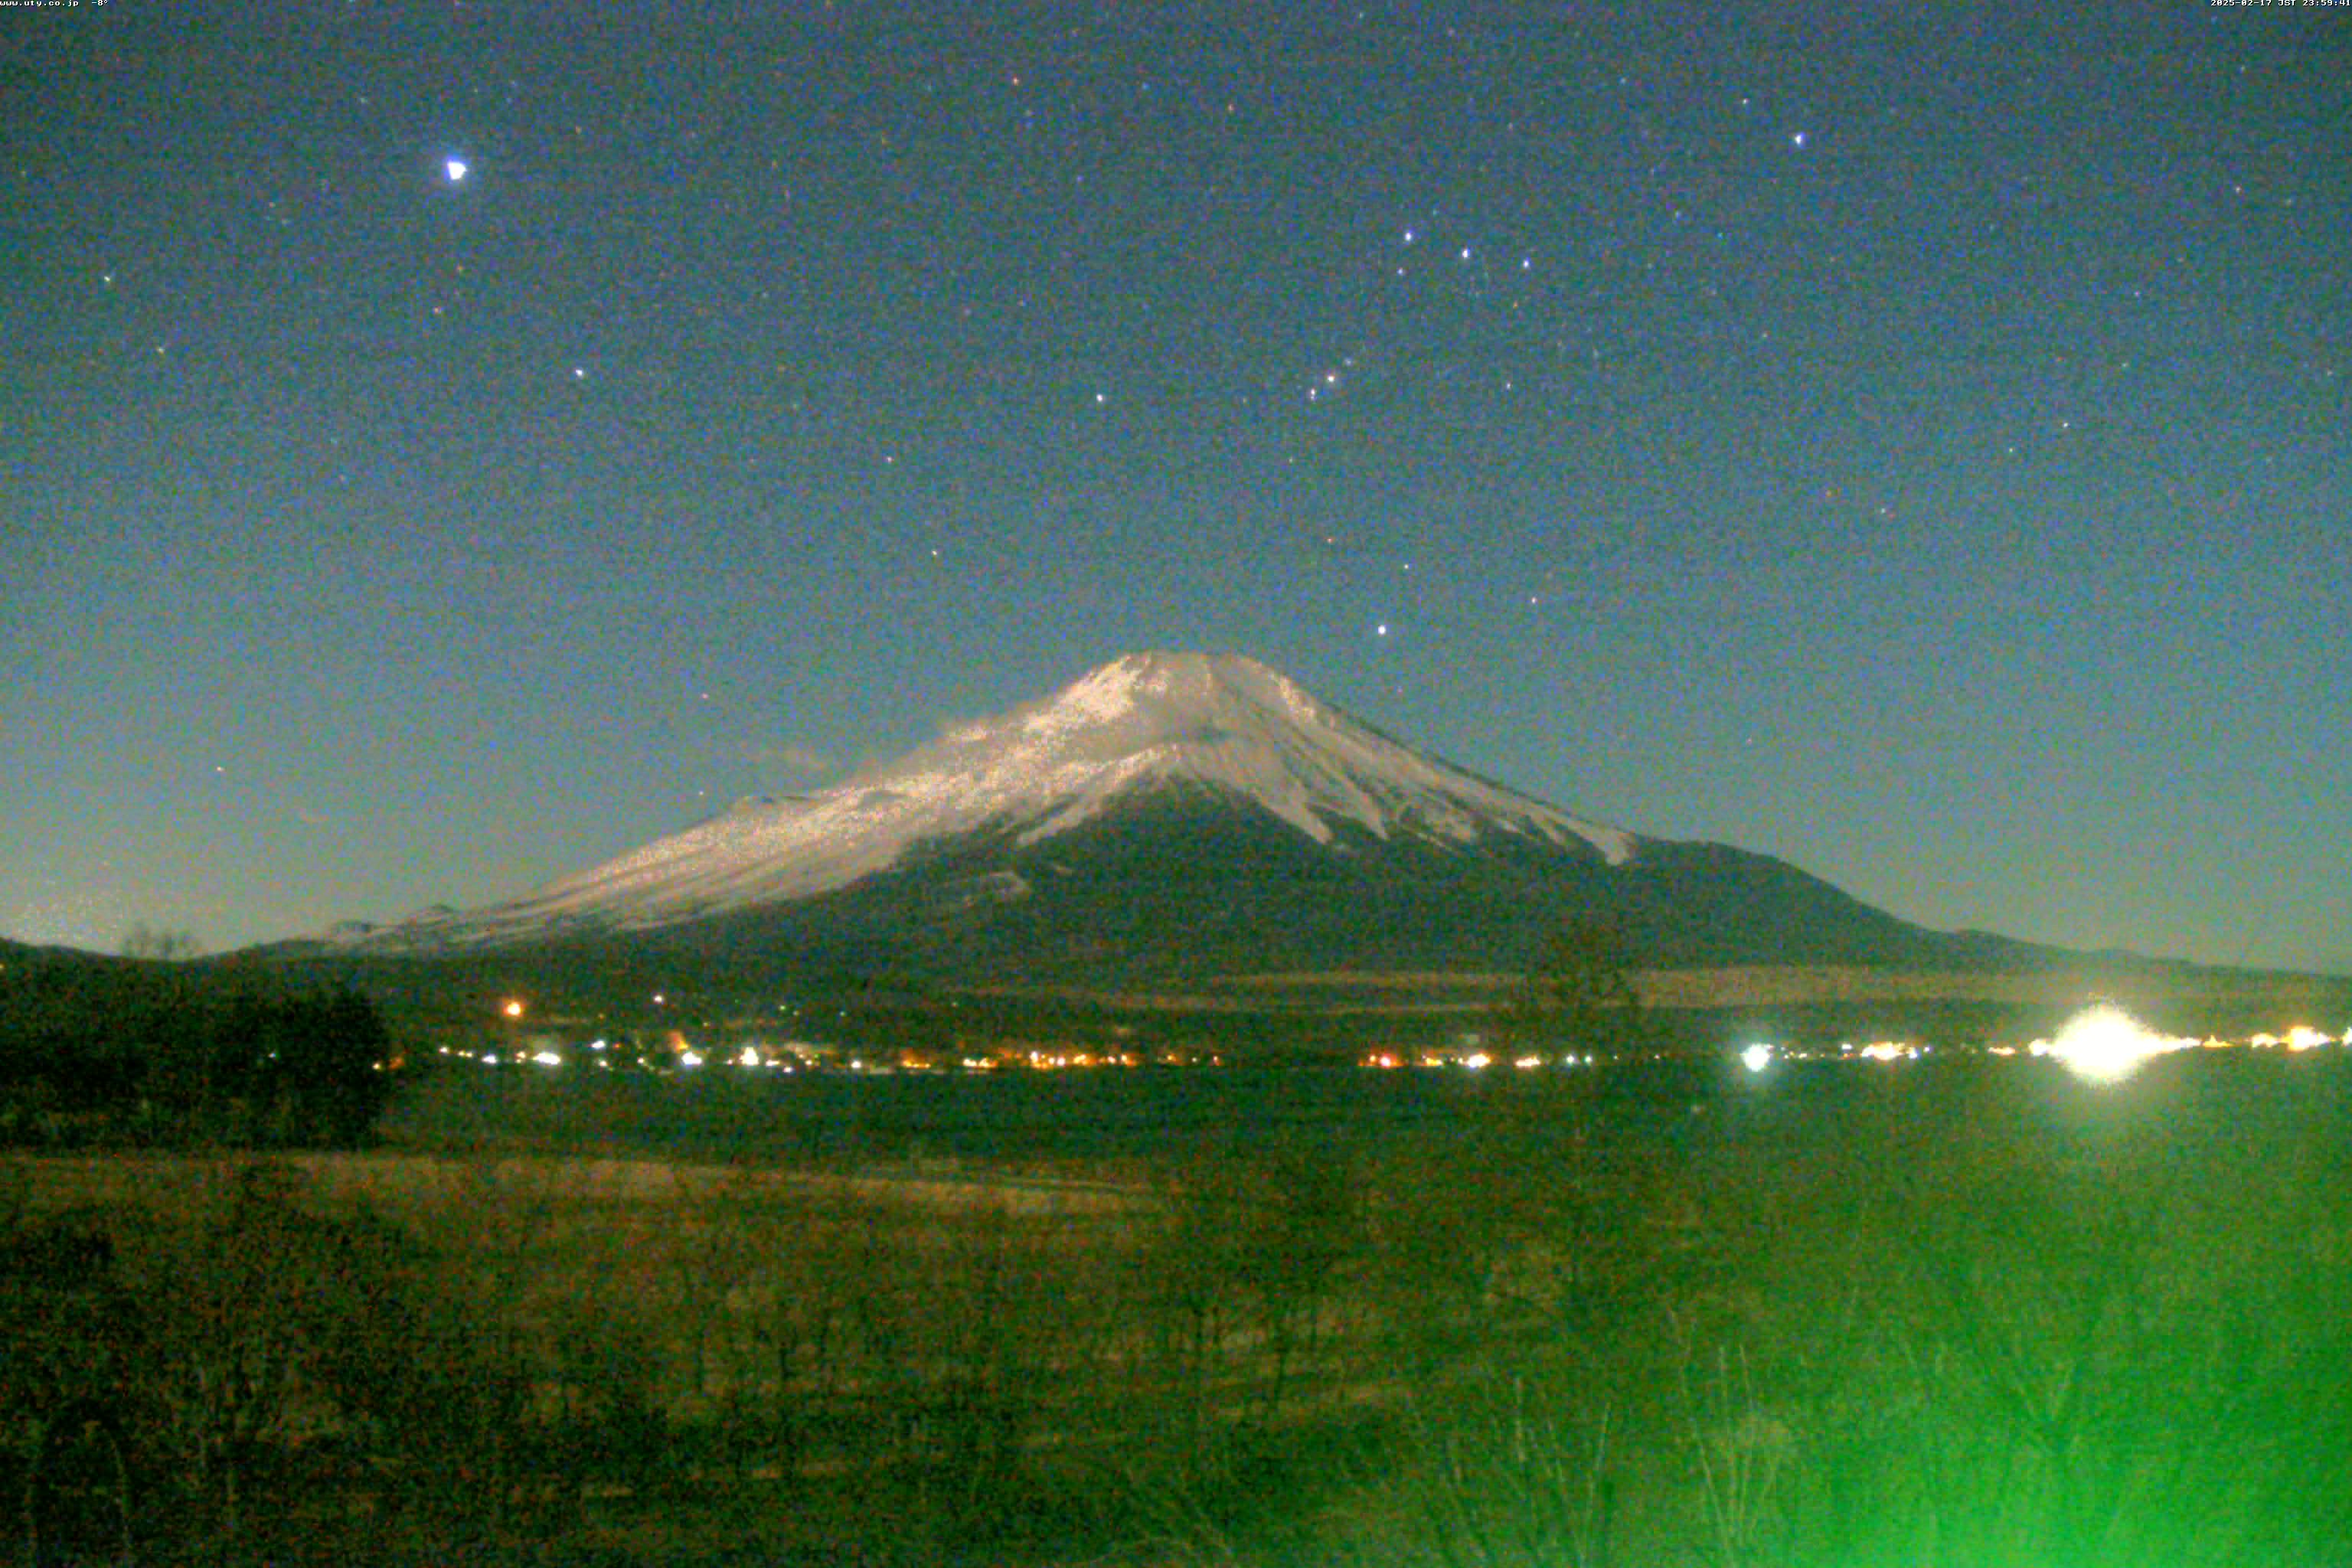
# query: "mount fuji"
(1166, 817)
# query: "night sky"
(442, 447)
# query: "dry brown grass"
(1988, 1318)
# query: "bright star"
(1796, 139)
(457, 170)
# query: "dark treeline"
(123, 1051)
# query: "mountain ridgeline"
(1169, 820)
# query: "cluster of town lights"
(1476, 1062)
(674, 1053)
(2102, 1044)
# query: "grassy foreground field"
(1976, 1316)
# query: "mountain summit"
(1170, 813)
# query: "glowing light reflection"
(2103, 1044)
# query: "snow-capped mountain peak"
(1144, 722)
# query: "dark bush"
(137, 1061)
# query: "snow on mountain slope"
(1146, 721)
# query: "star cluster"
(446, 449)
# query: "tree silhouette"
(143, 941)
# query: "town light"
(2105, 1044)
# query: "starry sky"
(444, 445)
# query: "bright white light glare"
(549, 1059)
(1757, 1057)
(1477, 1059)
(2304, 1037)
(2105, 1044)
(748, 1058)
(457, 170)
(689, 1059)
